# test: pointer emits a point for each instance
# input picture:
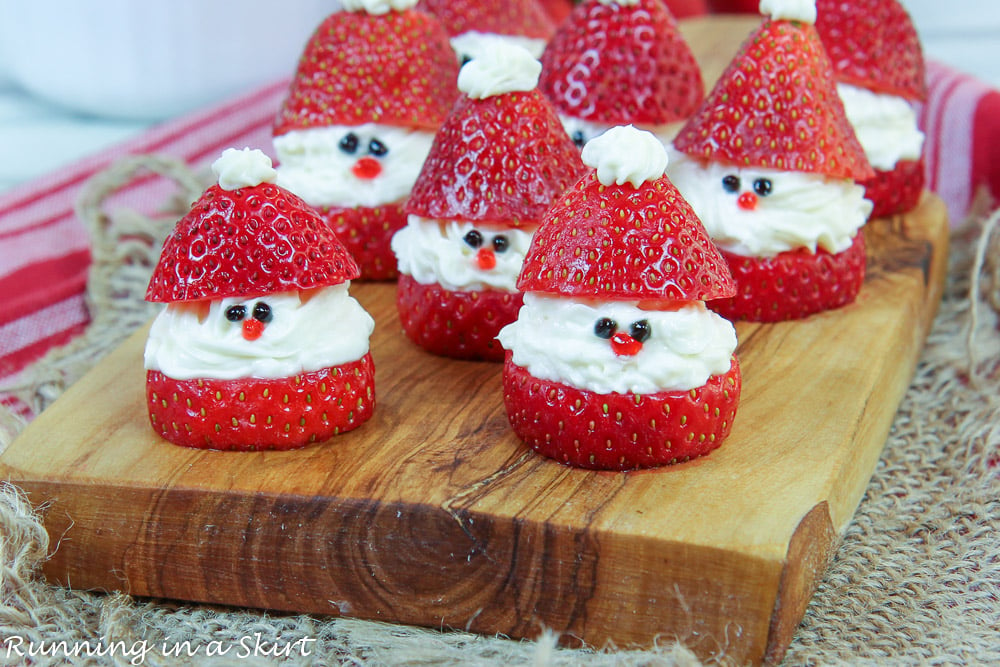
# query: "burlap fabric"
(916, 579)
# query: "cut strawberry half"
(623, 242)
(873, 44)
(620, 431)
(616, 64)
(501, 159)
(896, 191)
(456, 324)
(792, 285)
(776, 106)
(366, 233)
(247, 242)
(396, 68)
(255, 414)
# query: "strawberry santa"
(373, 84)
(475, 26)
(614, 361)
(260, 345)
(879, 66)
(497, 163)
(620, 62)
(769, 164)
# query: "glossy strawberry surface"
(873, 44)
(396, 68)
(456, 324)
(792, 285)
(500, 159)
(247, 242)
(619, 64)
(776, 106)
(622, 242)
(254, 414)
(895, 191)
(526, 18)
(620, 431)
(366, 233)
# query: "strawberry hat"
(873, 45)
(621, 62)
(776, 105)
(372, 64)
(502, 155)
(624, 232)
(248, 237)
(524, 18)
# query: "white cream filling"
(432, 251)
(582, 131)
(308, 331)
(504, 68)
(377, 7)
(625, 154)
(802, 211)
(313, 165)
(553, 338)
(886, 126)
(472, 44)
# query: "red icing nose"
(367, 167)
(485, 259)
(624, 345)
(252, 328)
(747, 201)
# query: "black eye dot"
(474, 238)
(578, 139)
(731, 183)
(262, 312)
(500, 243)
(762, 186)
(640, 330)
(465, 59)
(377, 148)
(236, 313)
(349, 144)
(605, 327)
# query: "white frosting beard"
(432, 251)
(579, 129)
(803, 210)
(308, 331)
(553, 338)
(473, 43)
(313, 165)
(886, 126)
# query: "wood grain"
(433, 513)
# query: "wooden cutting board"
(434, 514)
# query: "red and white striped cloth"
(44, 253)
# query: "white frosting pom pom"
(505, 68)
(789, 10)
(377, 7)
(625, 154)
(243, 169)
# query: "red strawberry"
(254, 414)
(246, 242)
(895, 191)
(366, 233)
(500, 159)
(525, 18)
(874, 45)
(620, 431)
(457, 324)
(618, 64)
(623, 242)
(793, 284)
(776, 106)
(396, 68)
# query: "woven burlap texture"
(915, 580)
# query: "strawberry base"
(249, 414)
(792, 285)
(366, 233)
(456, 324)
(896, 191)
(619, 431)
